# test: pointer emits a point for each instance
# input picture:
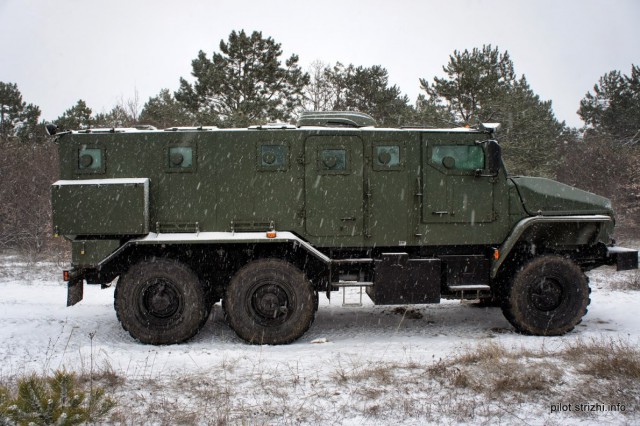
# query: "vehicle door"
(334, 185)
(457, 188)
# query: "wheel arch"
(207, 253)
(551, 234)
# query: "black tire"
(269, 301)
(161, 302)
(547, 297)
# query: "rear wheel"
(270, 301)
(161, 301)
(548, 297)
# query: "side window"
(91, 159)
(180, 158)
(388, 156)
(273, 156)
(333, 161)
(458, 157)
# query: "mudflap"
(75, 290)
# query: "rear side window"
(180, 158)
(273, 156)
(458, 157)
(90, 159)
(388, 155)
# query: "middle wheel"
(269, 301)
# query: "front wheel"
(160, 302)
(269, 301)
(547, 297)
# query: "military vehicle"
(266, 218)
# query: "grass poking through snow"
(485, 383)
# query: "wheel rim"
(546, 295)
(270, 304)
(161, 299)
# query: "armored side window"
(273, 156)
(388, 156)
(180, 158)
(458, 157)
(333, 160)
(91, 159)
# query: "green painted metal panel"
(334, 185)
(101, 206)
(455, 189)
(91, 252)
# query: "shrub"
(58, 399)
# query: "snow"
(230, 237)
(40, 334)
(114, 181)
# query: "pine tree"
(31, 129)
(432, 112)
(164, 111)
(11, 106)
(243, 84)
(614, 108)
(481, 86)
(530, 134)
(364, 89)
(17, 118)
(367, 89)
(77, 117)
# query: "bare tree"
(319, 94)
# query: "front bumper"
(624, 258)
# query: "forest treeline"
(247, 81)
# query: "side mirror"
(51, 128)
(494, 156)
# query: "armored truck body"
(265, 218)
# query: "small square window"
(90, 160)
(180, 158)
(333, 160)
(386, 157)
(273, 157)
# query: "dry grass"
(406, 312)
(494, 370)
(605, 359)
(628, 281)
(483, 384)
(486, 383)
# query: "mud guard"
(75, 291)
(524, 224)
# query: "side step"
(470, 288)
(346, 284)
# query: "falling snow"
(40, 334)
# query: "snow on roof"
(115, 181)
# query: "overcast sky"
(104, 51)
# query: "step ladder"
(344, 285)
(477, 288)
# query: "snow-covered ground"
(217, 378)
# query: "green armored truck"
(266, 218)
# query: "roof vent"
(336, 119)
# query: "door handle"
(347, 219)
